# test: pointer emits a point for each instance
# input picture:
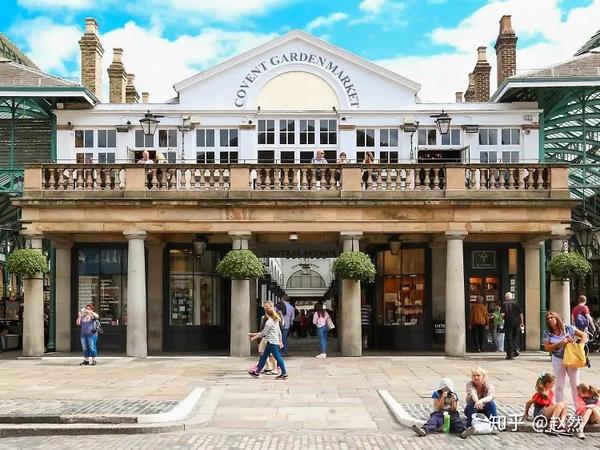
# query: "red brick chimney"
(91, 58)
(506, 50)
(481, 73)
(117, 77)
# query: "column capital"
(438, 242)
(34, 241)
(135, 234)
(60, 243)
(240, 239)
(350, 235)
(455, 235)
(534, 244)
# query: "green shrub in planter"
(240, 265)
(566, 266)
(27, 262)
(355, 266)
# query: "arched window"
(312, 280)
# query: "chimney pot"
(505, 25)
(117, 55)
(481, 54)
(458, 96)
(145, 97)
(91, 26)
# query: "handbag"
(481, 424)
(330, 324)
(97, 327)
(574, 355)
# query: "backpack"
(97, 327)
(581, 322)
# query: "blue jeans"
(88, 345)
(322, 333)
(284, 339)
(489, 410)
(271, 348)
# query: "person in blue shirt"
(445, 400)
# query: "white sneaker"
(321, 355)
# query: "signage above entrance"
(297, 57)
(287, 251)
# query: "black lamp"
(584, 233)
(442, 121)
(149, 123)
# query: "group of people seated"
(479, 402)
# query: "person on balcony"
(343, 159)
(145, 159)
(160, 158)
(319, 157)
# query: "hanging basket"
(26, 262)
(240, 265)
(569, 266)
(355, 266)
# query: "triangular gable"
(302, 36)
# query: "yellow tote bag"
(574, 355)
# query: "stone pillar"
(240, 304)
(33, 310)
(155, 295)
(532, 295)
(64, 321)
(117, 77)
(131, 93)
(253, 305)
(350, 327)
(91, 58)
(455, 294)
(137, 338)
(559, 290)
(481, 73)
(506, 50)
(438, 280)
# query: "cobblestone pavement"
(422, 411)
(306, 440)
(70, 407)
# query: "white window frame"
(308, 133)
(170, 133)
(266, 132)
(146, 137)
(229, 132)
(366, 132)
(86, 132)
(484, 156)
(206, 131)
(453, 132)
(487, 132)
(329, 131)
(426, 132)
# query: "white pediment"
(237, 84)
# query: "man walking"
(581, 316)
(288, 319)
(513, 321)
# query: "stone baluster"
(385, 182)
(520, 179)
(286, 180)
(530, 186)
(79, 179)
(436, 180)
(171, 179)
(313, 178)
(403, 176)
(122, 178)
(208, 179)
(412, 179)
(51, 181)
(268, 180)
(159, 183)
(61, 180)
(89, 181)
(303, 180)
(197, 180)
(393, 179)
(187, 176)
(511, 179)
(482, 179)
(276, 179)
(377, 181)
(226, 177)
(501, 179)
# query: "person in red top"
(543, 400)
(587, 406)
(582, 309)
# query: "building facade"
(446, 217)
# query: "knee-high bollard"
(350, 324)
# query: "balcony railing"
(541, 178)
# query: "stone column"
(240, 304)
(64, 321)
(350, 327)
(137, 338)
(438, 279)
(559, 290)
(33, 310)
(532, 295)
(455, 294)
(155, 295)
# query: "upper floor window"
(84, 138)
(488, 157)
(427, 136)
(388, 137)
(228, 137)
(365, 137)
(328, 132)
(143, 140)
(106, 158)
(266, 132)
(205, 137)
(167, 138)
(510, 157)
(205, 157)
(452, 137)
(286, 132)
(107, 138)
(307, 132)
(511, 136)
(488, 136)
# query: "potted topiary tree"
(569, 266)
(355, 266)
(26, 262)
(240, 265)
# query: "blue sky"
(413, 37)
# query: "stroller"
(593, 344)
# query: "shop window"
(487, 289)
(402, 299)
(228, 137)
(286, 132)
(388, 137)
(205, 138)
(107, 138)
(266, 132)
(452, 137)
(427, 137)
(167, 138)
(194, 289)
(307, 132)
(205, 157)
(84, 138)
(328, 132)
(365, 137)
(102, 281)
(143, 140)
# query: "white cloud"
(557, 37)
(325, 21)
(371, 6)
(73, 4)
(229, 10)
(50, 45)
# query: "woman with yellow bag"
(566, 343)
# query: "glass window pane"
(323, 125)
(483, 137)
(102, 158)
(233, 138)
(393, 157)
(101, 138)
(514, 157)
(223, 157)
(332, 138)
(360, 138)
(200, 157)
(332, 125)
(515, 136)
(233, 157)
(79, 138)
(111, 136)
(200, 138)
(162, 138)
(110, 158)
(431, 137)
(483, 157)
(505, 136)
(270, 138)
(422, 137)
(323, 139)
(493, 137)
(311, 125)
(384, 138)
(393, 138)
(493, 157)
(370, 137)
(149, 140)
(210, 138)
(311, 139)
(89, 138)
(223, 138)
(271, 126)
(172, 138)
(446, 139)
(455, 137)
(384, 157)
